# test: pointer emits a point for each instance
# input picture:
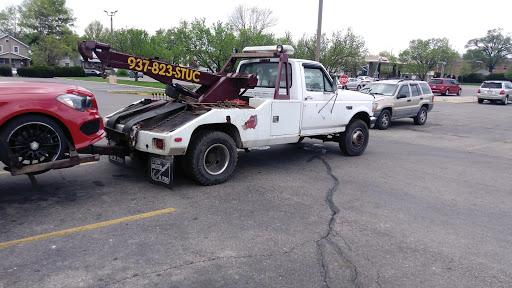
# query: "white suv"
(495, 91)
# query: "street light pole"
(319, 30)
(112, 14)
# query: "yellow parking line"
(84, 228)
(489, 144)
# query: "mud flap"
(160, 169)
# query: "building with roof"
(13, 52)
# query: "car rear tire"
(384, 120)
(33, 139)
(354, 140)
(211, 158)
(421, 118)
(505, 102)
(358, 87)
(480, 101)
(459, 92)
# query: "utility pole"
(319, 30)
(112, 14)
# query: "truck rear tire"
(354, 140)
(211, 158)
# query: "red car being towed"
(39, 119)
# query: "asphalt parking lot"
(424, 206)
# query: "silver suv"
(495, 91)
(400, 99)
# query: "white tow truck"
(266, 99)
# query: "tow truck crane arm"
(214, 87)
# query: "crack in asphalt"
(322, 244)
(325, 239)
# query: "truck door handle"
(409, 100)
(308, 98)
(421, 98)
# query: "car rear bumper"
(491, 97)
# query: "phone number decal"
(163, 69)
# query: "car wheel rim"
(385, 120)
(358, 138)
(216, 159)
(35, 143)
(423, 116)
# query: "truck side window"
(316, 80)
(266, 73)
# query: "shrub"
(496, 76)
(43, 71)
(459, 79)
(122, 73)
(437, 74)
(5, 71)
(474, 78)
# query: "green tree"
(96, 31)
(10, 21)
(46, 17)
(345, 52)
(492, 49)
(193, 43)
(49, 50)
(422, 56)
(133, 41)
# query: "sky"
(384, 25)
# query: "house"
(13, 52)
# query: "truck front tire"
(211, 158)
(354, 140)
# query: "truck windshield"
(266, 73)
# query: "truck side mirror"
(402, 96)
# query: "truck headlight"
(77, 102)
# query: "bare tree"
(9, 21)
(254, 19)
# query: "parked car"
(365, 80)
(94, 73)
(444, 86)
(400, 99)
(352, 84)
(139, 74)
(495, 91)
(39, 120)
(14, 71)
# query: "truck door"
(320, 108)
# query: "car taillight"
(478, 91)
(502, 92)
